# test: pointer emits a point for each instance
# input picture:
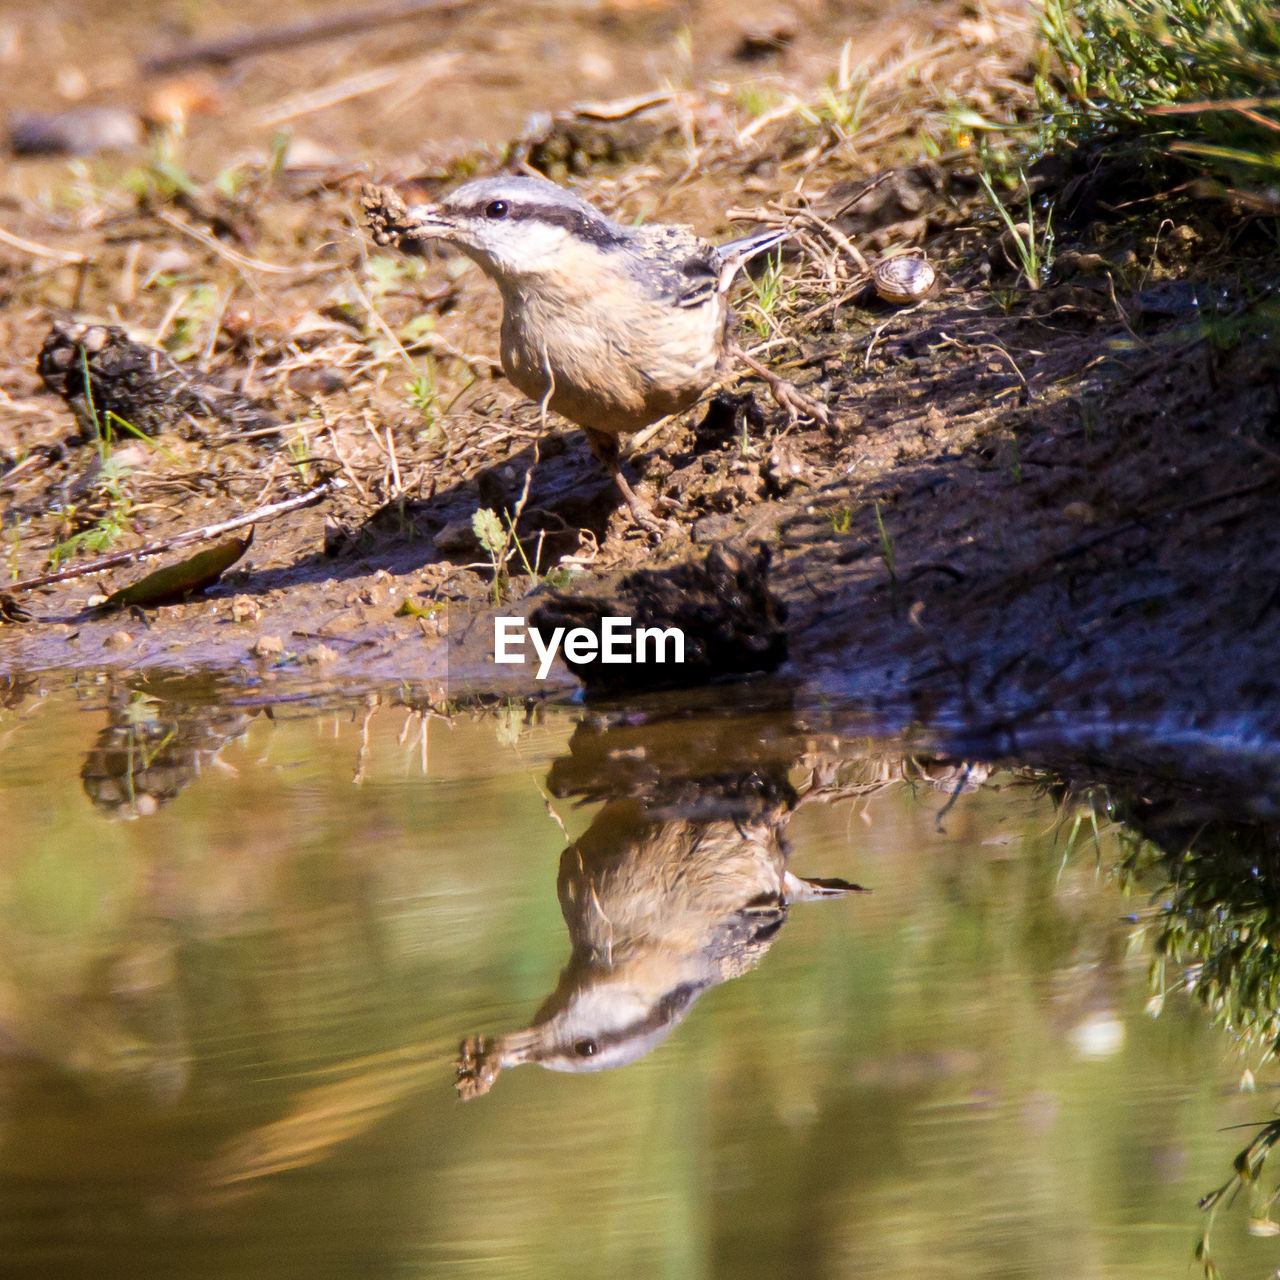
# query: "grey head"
(609, 1009)
(515, 226)
(612, 1019)
(607, 1024)
(518, 227)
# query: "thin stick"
(395, 465)
(289, 35)
(204, 534)
(518, 510)
(40, 250)
(424, 69)
(41, 458)
(236, 258)
(346, 466)
(380, 323)
(1223, 104)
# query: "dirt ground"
(1035, 505)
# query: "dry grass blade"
(24, 245)
(423, 71)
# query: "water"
(240, 949)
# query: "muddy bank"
(1038, 505)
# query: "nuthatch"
(659, 910)
(612, 326)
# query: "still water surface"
(239, 950)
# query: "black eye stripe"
(588, 225)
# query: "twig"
(397, 483)
(423, 70)
(642, 438)
(203, 534)
(518, 510)
(1120, 315)
(40, 250)
(437, 345)
(380, 323)
(1222, 104)
(859, 286)
(546, 801)
(989, 346)
(346, 466)
(40, 458)
(233, 256)
(291, 34)
(835, 235)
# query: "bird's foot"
(641, 512)
(645, 517)
(798, 405)
(605, 447)
(785, 394)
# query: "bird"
(612, 326)
(659, 910)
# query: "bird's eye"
(585, 1048)
(496, 209)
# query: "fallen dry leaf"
(175, 581)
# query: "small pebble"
(81, 131)
(245, 609)
(315, 380)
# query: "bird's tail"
(735, 253)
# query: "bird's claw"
(645, 518)
(786, 394)
(798, 405)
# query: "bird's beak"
(424, 222)
(480, 1059)
(394, 222)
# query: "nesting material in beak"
(480, 1058)
(393, 222)
(478, 1066)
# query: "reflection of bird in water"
(658, 912)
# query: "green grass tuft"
(1194, 79)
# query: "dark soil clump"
(731, 624)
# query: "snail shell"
(904, 280)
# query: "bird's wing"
(699, 277)
(688, 271)
(680, 268)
